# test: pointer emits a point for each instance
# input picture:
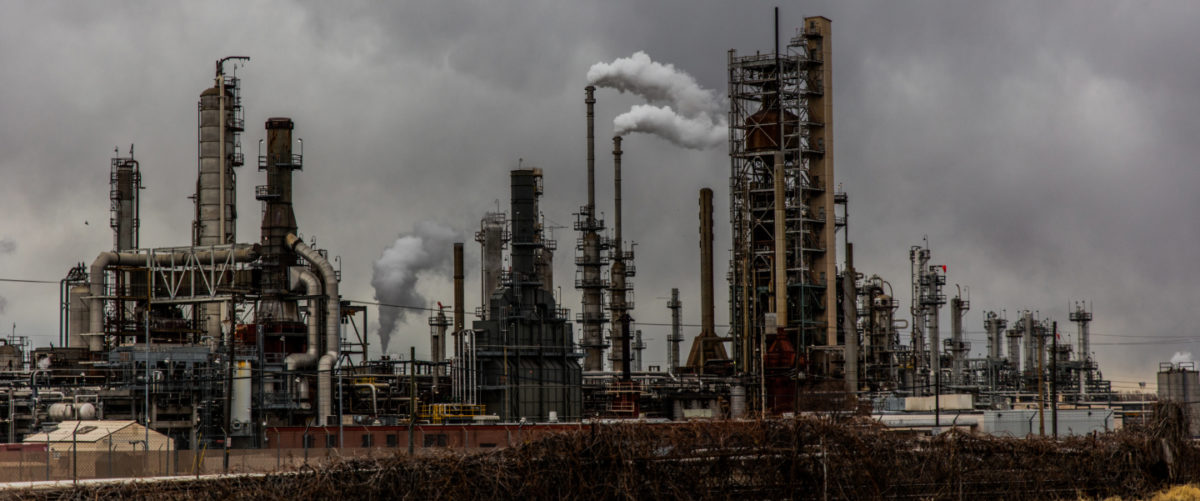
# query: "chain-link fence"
(83, 461)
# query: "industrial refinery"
(229, 340)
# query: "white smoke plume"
(429, 248)
(656, 82)
(697, 133)
(1181, 356)
(681, 111)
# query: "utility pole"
(1054, 381)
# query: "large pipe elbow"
(332, 325)
(96, 290)
(302, 280)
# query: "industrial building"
(224, 338)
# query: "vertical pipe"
(458, 297)
(619, 355)
(706, 263)
(221, 155)
(617, 195)
(850, 321)
(591, 151)
(676, 334)
(780, 244)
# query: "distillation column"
(958, 348)
(919, 258)
(1082, 317)
(493, 239)
(676, 336)
(126, 179)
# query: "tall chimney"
(589, 258)
(676, 332)
(620, 349)
(591, 148)
(620, 245)
(706, 346)
(458, 297)
(706, 263)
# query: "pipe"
(332, 325)
(240, 253)
(780, 244)
(459, 302)
(591, 151)
(302, 279)
(620, 350)
(707, 324)
(374, 399)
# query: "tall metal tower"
(125, 178)
(590, 257)
(782, 197)
(221, 123)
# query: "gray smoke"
(681, 111)
(428, 248)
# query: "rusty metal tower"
(782, 198)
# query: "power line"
(27, 281)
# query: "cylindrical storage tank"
(241, 396)
(85, 410)
(737, 401)
(80, 312)
(61, 412)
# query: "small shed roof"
(84, 431)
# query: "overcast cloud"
(1046, 148)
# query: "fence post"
(278, 451)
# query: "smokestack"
(590, 262)
(706, 346)
(458, 296)
(706, 263)
(620, 327)
(850, 320)
(617, 194)
(591, 149)
(676, 333)
(278, 217)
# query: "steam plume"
(1181, 356)
(696, 133)
(680, 110)
(397, 271)
(656, 82)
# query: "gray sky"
(1046, 149)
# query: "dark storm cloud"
(1045, 149)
